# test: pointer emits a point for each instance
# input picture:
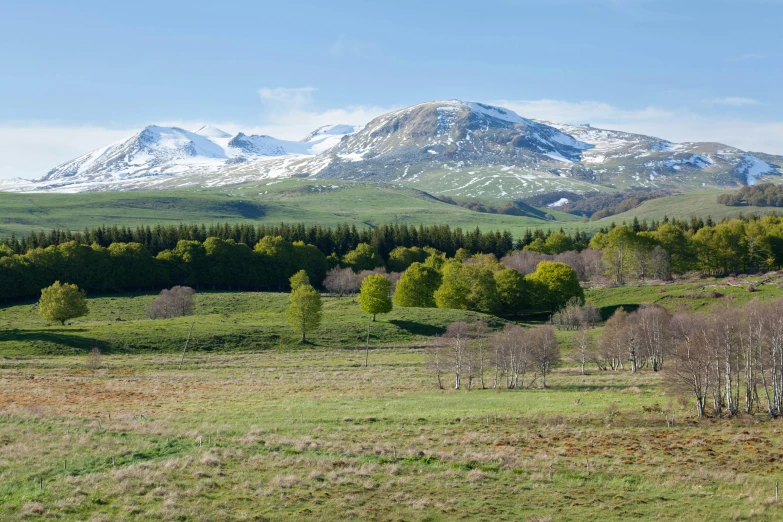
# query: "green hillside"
(683, 206)
(324, 202)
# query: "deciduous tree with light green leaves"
(374, 299)
(364, 257)
(454, 290)
(299, 279)
(513, 291)
(468, 287)
(553, 284)
(401, 258)
(417, 286)
(61, 302)
(304, 313)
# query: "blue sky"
(79, 74)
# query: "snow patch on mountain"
(754, 167)
(266, 146)
(559, 203)
(326, 137)
(496, 112)
(210, 132)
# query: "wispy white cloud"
(283, 99)
(734, 101)
(292, 113)
(747, 57)
(30, 151)
(581, 112)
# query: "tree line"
(338, 240)
(733, 245)
(761, 195)
(627, 252)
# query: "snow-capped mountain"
(326, 137)
(156, 153)
(449, 147)
(625, 159)
(472, 149)
(451, 131)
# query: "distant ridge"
(453, 147)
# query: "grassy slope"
(304, 434)
(223, 321)
(683, 206)
(326, 202)
(688, 297)
(266, 435)
(290, 201)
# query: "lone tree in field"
(299, 279)
(177, 302)
(374, 299)
(62, 301)
(304, 313)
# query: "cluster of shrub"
(727, 361)
(761, 195)
(479, 282)
(473, 356)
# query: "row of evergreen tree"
(338, 240)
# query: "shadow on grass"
(57, 338)
(608, 311)
(417, 328)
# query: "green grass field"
(222, 322)
(683, 206)
(254, 427)
(691, 296)
(327, 203)
(324, 202)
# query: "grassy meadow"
(324, 202)
(682, 206)
(256, 427)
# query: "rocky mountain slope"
(455, 148)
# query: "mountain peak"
(454, 131)
(208, 131)
(328, 136)
(332, 130)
